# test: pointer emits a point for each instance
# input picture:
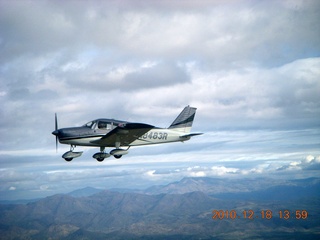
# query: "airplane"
(122, 134)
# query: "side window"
(102, 125)
(105, 125)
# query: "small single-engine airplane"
(115, 133)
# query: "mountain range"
(179, 210)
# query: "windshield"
(89, 124)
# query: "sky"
(251, 68)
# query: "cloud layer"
(224, 154)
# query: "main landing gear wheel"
(118, 152)
(100, 159)
(68, 159)
(100, 156)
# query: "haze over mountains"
(181, 210)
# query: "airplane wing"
(124, 134)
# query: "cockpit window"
(104, 125)
(89, 124)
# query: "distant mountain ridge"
(163, 212)
(104, 212)
(213, 186)
(276, 193)
(84, 192)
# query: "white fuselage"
(160, 135)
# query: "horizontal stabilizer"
(190, 135)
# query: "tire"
(117, 156)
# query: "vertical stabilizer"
(183, 122)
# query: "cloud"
(157, 75)
(221, 170)
(150, 173)
(309, 163)
(211, 32)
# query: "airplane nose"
(56, 132)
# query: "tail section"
(183, 122)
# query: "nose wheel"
(68, 156)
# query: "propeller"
(56, 130)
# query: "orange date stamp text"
(262, 214)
